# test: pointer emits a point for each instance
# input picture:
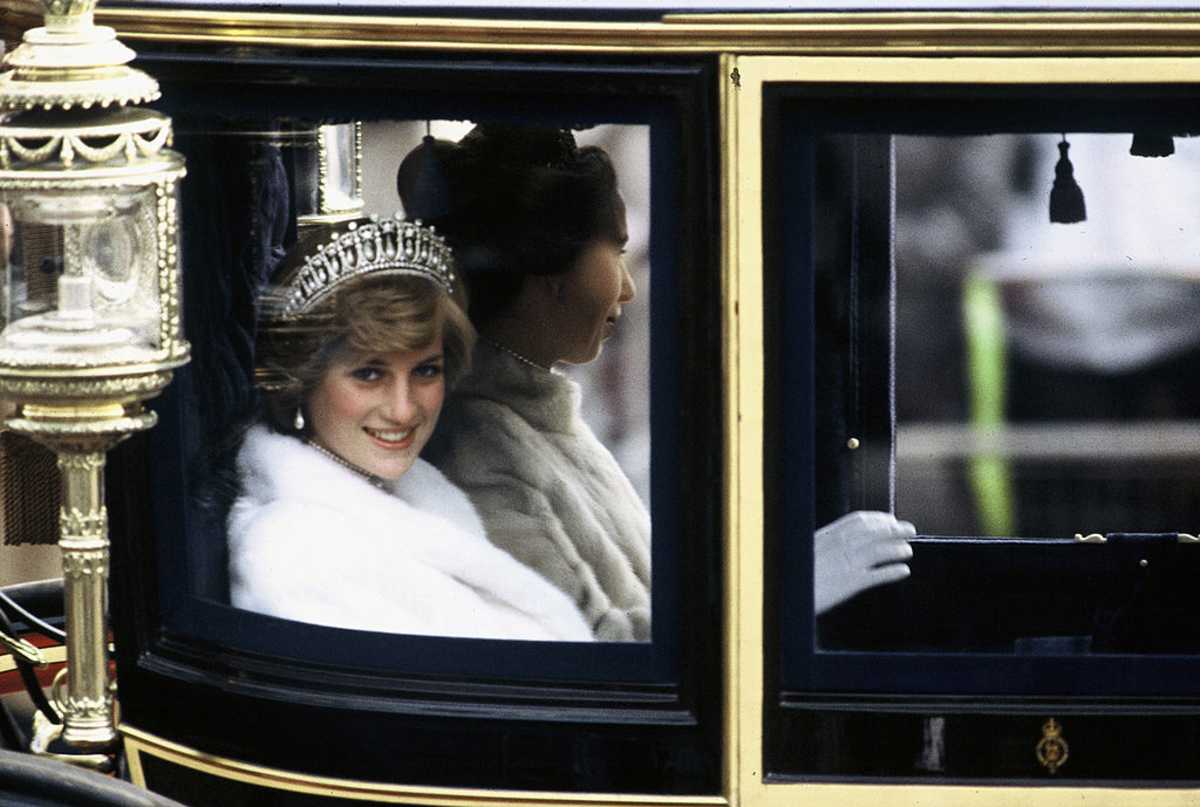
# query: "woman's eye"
(429, 370)
(366, 373)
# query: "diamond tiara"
(375, 246)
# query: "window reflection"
(1011, 386)
(1064, 400)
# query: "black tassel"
(422, 183)
(1066, 198)
(1151, 145)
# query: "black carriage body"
(744, 696)
(640, 717)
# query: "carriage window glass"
(1020, 390)
(447, 313)
(1044, 371)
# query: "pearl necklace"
(506, 349)
(377, 481)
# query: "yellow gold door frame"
(741, 93)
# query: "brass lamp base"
(75, 152)
(66, 416)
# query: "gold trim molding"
(138, 742)
(847, 33)
(743, 79)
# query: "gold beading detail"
(83, 99)
(322, 171)
(89, 708)
(80, 462)
(85, 563)
(141, 386)
(170, 321)
(358, 157)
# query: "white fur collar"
(276, 466)
(422, 516)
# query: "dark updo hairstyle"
(512, 201)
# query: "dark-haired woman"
(539, 229)
(339, 522)
(538, 225)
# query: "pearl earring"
(298, 422)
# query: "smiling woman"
(338, 521)
(377, 412)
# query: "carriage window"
(1009, 374)
(436, 354)
(1003, 451)
(433, 416)
(428, 459)
(988, 394)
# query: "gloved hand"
(859, 551)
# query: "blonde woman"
(339, 521)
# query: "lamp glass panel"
(81, 272)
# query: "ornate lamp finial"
(71, 62)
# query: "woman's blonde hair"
(373, 315)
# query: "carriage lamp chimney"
(91, 323)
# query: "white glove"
(859, 551)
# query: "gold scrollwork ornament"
(1052, 749)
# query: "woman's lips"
(391, 439)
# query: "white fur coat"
(549, 493)
(312, 541)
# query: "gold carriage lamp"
(91, 322)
